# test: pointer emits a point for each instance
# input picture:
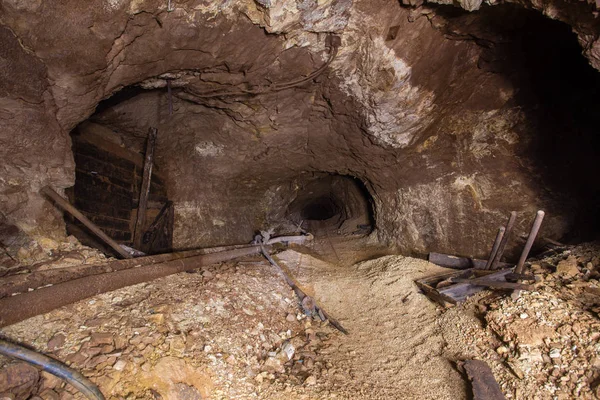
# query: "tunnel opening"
(200, 142)
(332, 204)
(320, 209)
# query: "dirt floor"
(235, 331)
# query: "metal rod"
(495, 247)
(65, 205)
(305, 299)
(53, 367)
(509, 227)
(537, 223)
(496, 284)
(140, 220)
(18, 308)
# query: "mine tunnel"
(299, 199)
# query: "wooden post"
(65, 205)
(144, 190)
(508, 230)
(495, 247)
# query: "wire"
(333, 42)
(54, 367)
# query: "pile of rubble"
(545, 343)
(230, 330)
(45, 253)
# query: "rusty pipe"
(23, 282)
(18, 308)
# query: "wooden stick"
(508, 230)
(144, 190)
(164, 212)
(65, 205)
(495, 247)
(537, 223)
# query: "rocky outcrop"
(416, 104)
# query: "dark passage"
(333, 204)
(320, 209)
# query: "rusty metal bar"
(140, 220)
(508, 230)
(495, 247)
(23, 282)
(65, 205)
(535, 228)
(18, 308)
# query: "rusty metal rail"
(18, 308)
(23, 282)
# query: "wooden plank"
(95, 135)
(118, 158)
(496, 284)
(104, 168)
(485, 386)
(433, 294)
(65, 205)
(89, 185)
(145, 190)
(461, 291)
(108, 222)
(99, 208)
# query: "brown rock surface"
(19, 380)
(442, 133)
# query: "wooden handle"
(65, 205)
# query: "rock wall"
(411, 105)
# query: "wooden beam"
(144, 190)
(507, 232)
(485, 386)
(65, 205)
